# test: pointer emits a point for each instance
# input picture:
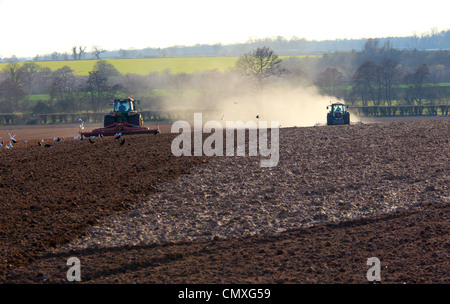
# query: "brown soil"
(50, 196)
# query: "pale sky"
(32, 27)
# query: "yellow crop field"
(147, 65)
(144, 66)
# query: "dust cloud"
(300, 107)
(237, 100)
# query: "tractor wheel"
(347, 119)
(329, 120)
(135, 120)
(109, 120)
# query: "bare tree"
(330, 79)
(100, 92)
(106, 69)
(365, 81)
(81, 51)
(96, 51)
(390, 74)
(11, 94)
(371, 46)
(416, 81)
(12, 72)
(260, 64)
(63, 89)
(74, 53)
(28, 72)
(78, 54)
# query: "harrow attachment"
(122, 128)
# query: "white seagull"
(12, 138)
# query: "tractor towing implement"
(124, 120)
(338, 115)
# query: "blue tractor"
(338, 115)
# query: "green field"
(144, 66)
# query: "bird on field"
(82, 137)
(47, 145)
(156, 132)
(118, 135)
(122, 142)
(91, 141)
(12, 138)
(39, 143)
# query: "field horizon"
(145, 66)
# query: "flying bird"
(257, 116)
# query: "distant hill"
(284, 47)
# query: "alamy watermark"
(74, 272)
(258, 139)
(374, 272)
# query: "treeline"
(377, 75)
(382, 75)
(63, 91)
(29, 88)
(432, 40)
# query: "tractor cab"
(124, 111)
(124, 105)
(337, 110)
(338, 115)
